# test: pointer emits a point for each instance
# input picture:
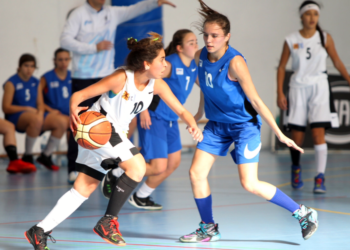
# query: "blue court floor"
(245, 221)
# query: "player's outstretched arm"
(114, 82)
(239, 71)
(162, 89)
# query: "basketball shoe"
(108, 229)
(144, 203)
(319, 184)
(38, 238)
(47, 162)
(20, 166)
(205, 233)
(297, 182)
(308, 220)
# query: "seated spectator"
(23, 105)
(7, 129)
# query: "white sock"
(51, 145)
(65, 206)
(29, 144)
(144, 191)
(118, 172)
(321, 152)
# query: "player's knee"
(9, 128)
(36, 122)
(249, 186)
(136, 172)
(196, 175)
(159, 167)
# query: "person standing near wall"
(309, 96)
(88, 33)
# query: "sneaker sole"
(312, 233)
(212, 239)
(101, 187)
(319, 191)
(110, 242)
(133, 203)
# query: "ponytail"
(178, 38)
(321, 35)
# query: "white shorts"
(96, 163)
(309, 104)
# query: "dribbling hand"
(74, 119)
(196, 133)
(290, 143)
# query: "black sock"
(120, 194)
(295, 155)
(11, 151)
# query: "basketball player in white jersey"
(309, 96)
(125, 93)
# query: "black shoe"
(28, 158)
(108, 229)
(36, 236)
(144, 203)
(108, 184)
(47, 162)
(308, 220)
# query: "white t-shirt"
(308, 59)
(120, 108)
(86, 27)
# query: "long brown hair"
(178, 38)
(144, 50)
(212, 16)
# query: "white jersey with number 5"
(308, 59)
(120, 108)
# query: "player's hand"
(161, 2)
(282, 101)
(74, 119)
(145, 119)
(196, 133)
(55, 111)
(31, 109)
(290, 143)
(104, 45)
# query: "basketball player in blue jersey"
(23, 106)
(233, 108)
(159, 135)
(309, 97)
(56, 86)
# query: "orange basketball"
(94, 131)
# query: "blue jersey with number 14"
(57, 92)
(180, 82)
(224, 99)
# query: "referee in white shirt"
(88, 34)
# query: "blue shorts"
(161, 139)
(14, 119)
(218, 137)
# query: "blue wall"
(137, 28)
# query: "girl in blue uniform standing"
(233, 108)
(159, 134)
(23, 106)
